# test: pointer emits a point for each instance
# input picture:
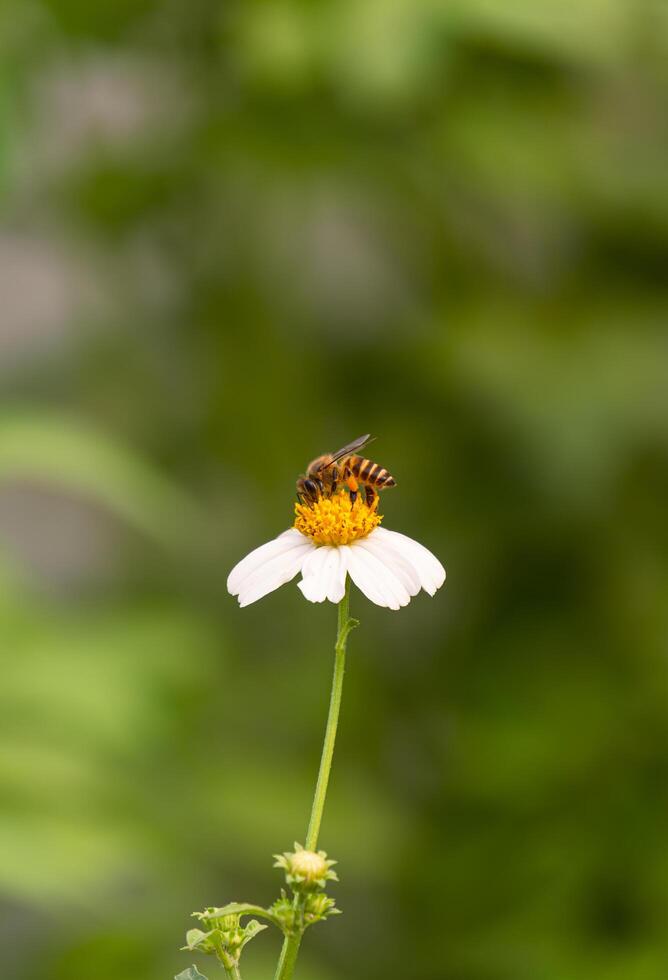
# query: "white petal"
(337, 586)
(275, 573)
(255, 559)
(292, 532)
(324, 574)
(390, 557)
(269, 566)
(364, 580)
(314, 581)
(375, 579)
(427, 566)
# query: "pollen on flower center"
(336, 520)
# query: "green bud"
(306, 870)
(227, 937)
(318, 907)
(284, 914)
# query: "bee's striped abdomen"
(369, 472)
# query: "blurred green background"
(236, 235)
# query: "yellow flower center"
(335, 520)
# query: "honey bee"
(344, 468)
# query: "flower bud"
(227, 937)
(309, 865)
(306, 870)
(319, 906)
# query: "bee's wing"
(352, 447)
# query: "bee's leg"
(351, 483)
(371, 496)
(335, 477)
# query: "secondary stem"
(288, 957)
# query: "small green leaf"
(192, 973)
(196, 938)
(251, 930)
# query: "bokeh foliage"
(236, 235)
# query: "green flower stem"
(291, 944)
(288, 957)
(345, 624)
(231, 969)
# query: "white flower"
(334, 538)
